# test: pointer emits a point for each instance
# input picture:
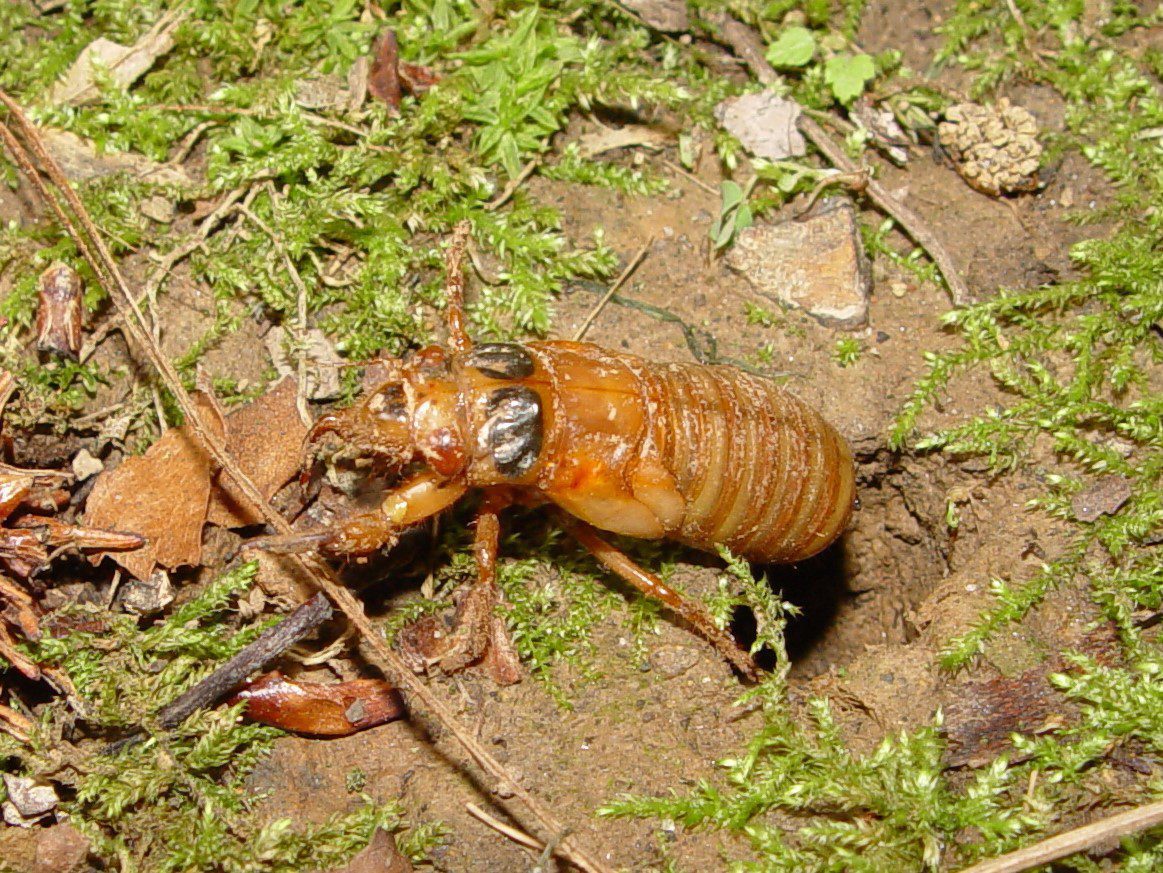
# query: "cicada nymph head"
(409, 418)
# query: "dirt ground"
(876, 606)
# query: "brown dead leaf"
(390, 78)
(169, 493)
(163, 495)
(334, 710)
(380, 856)
(384, 79)
(80, 160)
(124, 64)
(266, 438)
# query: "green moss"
(175, 799)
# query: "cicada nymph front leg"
(478, 634)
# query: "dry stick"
(630, 268)
(301, 312)
(164, 266)
(1124, 824)
(266, 647)
(690, 177)
(514, 183)
(747, 45)
(15, 724)
(379, 654)
(519, 837)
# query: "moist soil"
(877, 606)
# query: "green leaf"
(732, 196)
(794, 48)
(846, 74)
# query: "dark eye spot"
(501, 360)
(514, 430)
(389, 403)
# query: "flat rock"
(816, 264)
(764, 123)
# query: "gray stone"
(816, 264)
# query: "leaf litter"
(171, 492)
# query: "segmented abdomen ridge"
(761, 471)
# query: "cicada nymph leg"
(458, 338)
(479, 634)
(618, 562)
(420, 497)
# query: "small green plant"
(734, 213)
(847, 351)
(846, 74)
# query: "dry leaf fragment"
(80, 160)
(390, 78)
(383, 81)
(125, 64)
(323, 362)
(764, 123)
(607, 139)
(58, 312)
(335, 710)
(381, 855)
(266, 438)
(171, 491)
(163, 495)
(666, 16)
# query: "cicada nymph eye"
(514, 430)
(501, 360)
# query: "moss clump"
(175, 799)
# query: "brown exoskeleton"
(702, 455)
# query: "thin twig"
(500, 827)
(211, 109)
(266, 647)
(92, 248)
(747, 45)
(15, 724)
(514, 183)
(301, 312)
(689, 176)
(613, 289)
(164, 266)
(1086, 837)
